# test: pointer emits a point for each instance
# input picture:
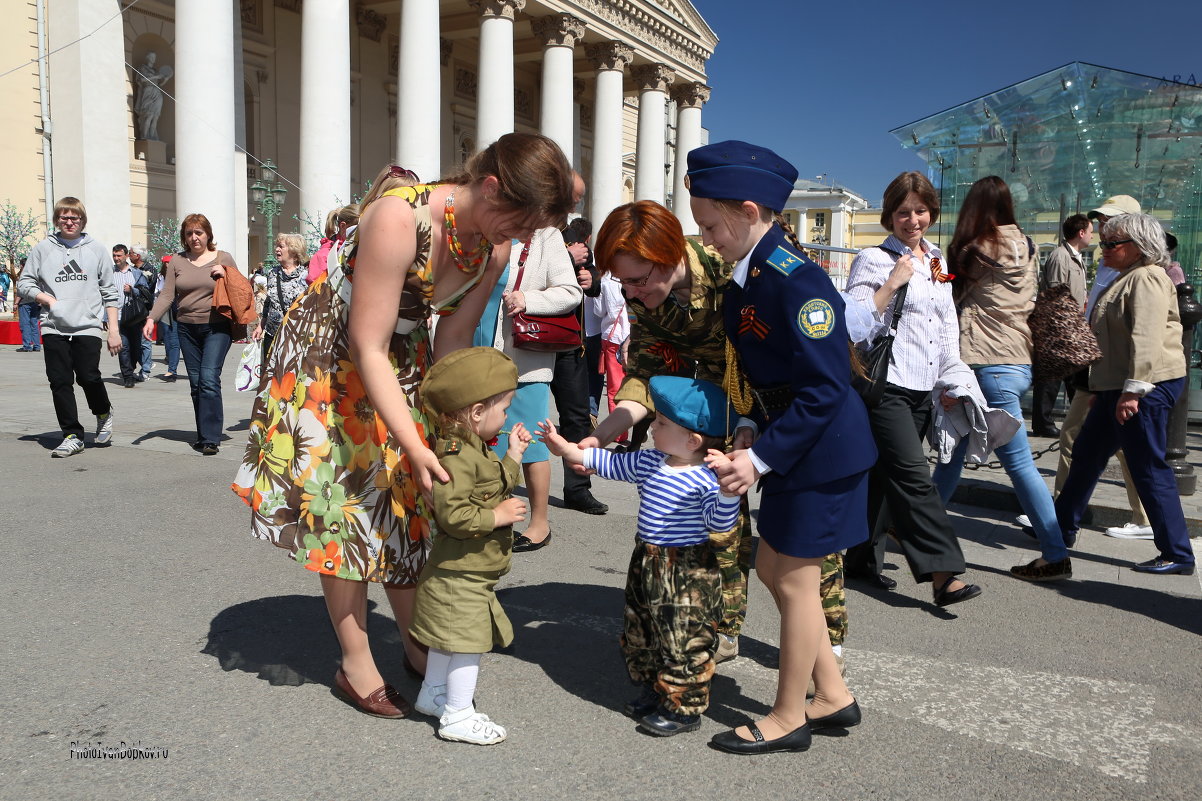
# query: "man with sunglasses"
(71, 276)
(1139, 527)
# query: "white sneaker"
(1023, 521)
(431, 701)
(104, 429)
(469, 726)
(728, 648)
(1130, 531)
(68, 447)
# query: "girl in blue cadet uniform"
(789, 373)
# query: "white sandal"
(469, 726)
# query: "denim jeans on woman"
(205, 347)
(1003, 386)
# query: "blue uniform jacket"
(787, 325)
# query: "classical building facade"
(166, 108)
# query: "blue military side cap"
(692, 403)
(740, 171)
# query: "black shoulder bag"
(876, 359)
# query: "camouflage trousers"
(733, 549)
(673, 599)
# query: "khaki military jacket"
(680, 340)
(465, 536)
(1139, 331)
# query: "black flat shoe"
(966, 593)
(728, 741)
(663, 723)
(585, 503)
(523, 544)
(877, 581)
(842, 720)
(1164, 567)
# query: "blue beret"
(740, 171)
(692, 403)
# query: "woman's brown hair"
(643, 229)
(203, 222)
(900, 188)
(533, 175)
(987, 205)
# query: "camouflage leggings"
(733, 549)
(673, 599)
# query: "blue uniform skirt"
(817, 521)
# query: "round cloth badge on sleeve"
(816, 318)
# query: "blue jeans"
(1143, 439)
(147, 356)
(30, 327)
(1003, 386)
(205, 347)
(171, 344)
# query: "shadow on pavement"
(557, 627)
(287, 640)
(171, 434)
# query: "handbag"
(249, 368)
(871, 385)
(137, 305)
(1062, 341)
(543, 333)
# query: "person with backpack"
(996, 269)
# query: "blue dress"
(787, 324)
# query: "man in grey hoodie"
(71, 276)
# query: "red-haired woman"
(204, 335)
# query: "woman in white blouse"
(901, 494)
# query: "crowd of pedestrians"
(398, 406)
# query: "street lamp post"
(269, 200)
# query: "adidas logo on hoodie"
(71, 272)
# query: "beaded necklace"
(461, 259)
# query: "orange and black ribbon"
(748, 322)
(937, 273)
(668, 355)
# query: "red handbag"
(543, 333)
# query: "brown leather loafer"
(385, 702)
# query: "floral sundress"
(321, 474)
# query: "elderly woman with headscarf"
(1137, 381)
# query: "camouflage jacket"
(679, 340)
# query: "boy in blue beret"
(673, 587)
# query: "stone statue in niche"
(149, 102)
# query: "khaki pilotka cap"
(467, 376)
(1114, 206)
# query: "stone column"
(559, 33)
(689, 97)
(494, 81)
(325, 121)
(605, 191)
(419, 95)
(838, 230)
(91, 118)
(652, 81)
(204, 79)
(239, 243)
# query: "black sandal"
(966, 593)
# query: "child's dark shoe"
(663, 723)
(642, 706)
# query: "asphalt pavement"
(143, 620)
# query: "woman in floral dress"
(338, 470)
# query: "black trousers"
(1043, 401)
(569, 387)
(902, 495)
(131, 349)
(70, 360)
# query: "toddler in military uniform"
(456, 612)
(673, 587)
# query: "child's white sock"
(438, 663)
(462, 674)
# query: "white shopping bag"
(249, 367)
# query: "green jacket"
(677, 340)
(465, 536)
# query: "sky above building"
(824, 83)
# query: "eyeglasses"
(636, 282)
(69, 219)
(400, 172)
(1113, 245)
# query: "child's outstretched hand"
(719, 462)
(519, 439)
(570, 452)
(508, 512)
